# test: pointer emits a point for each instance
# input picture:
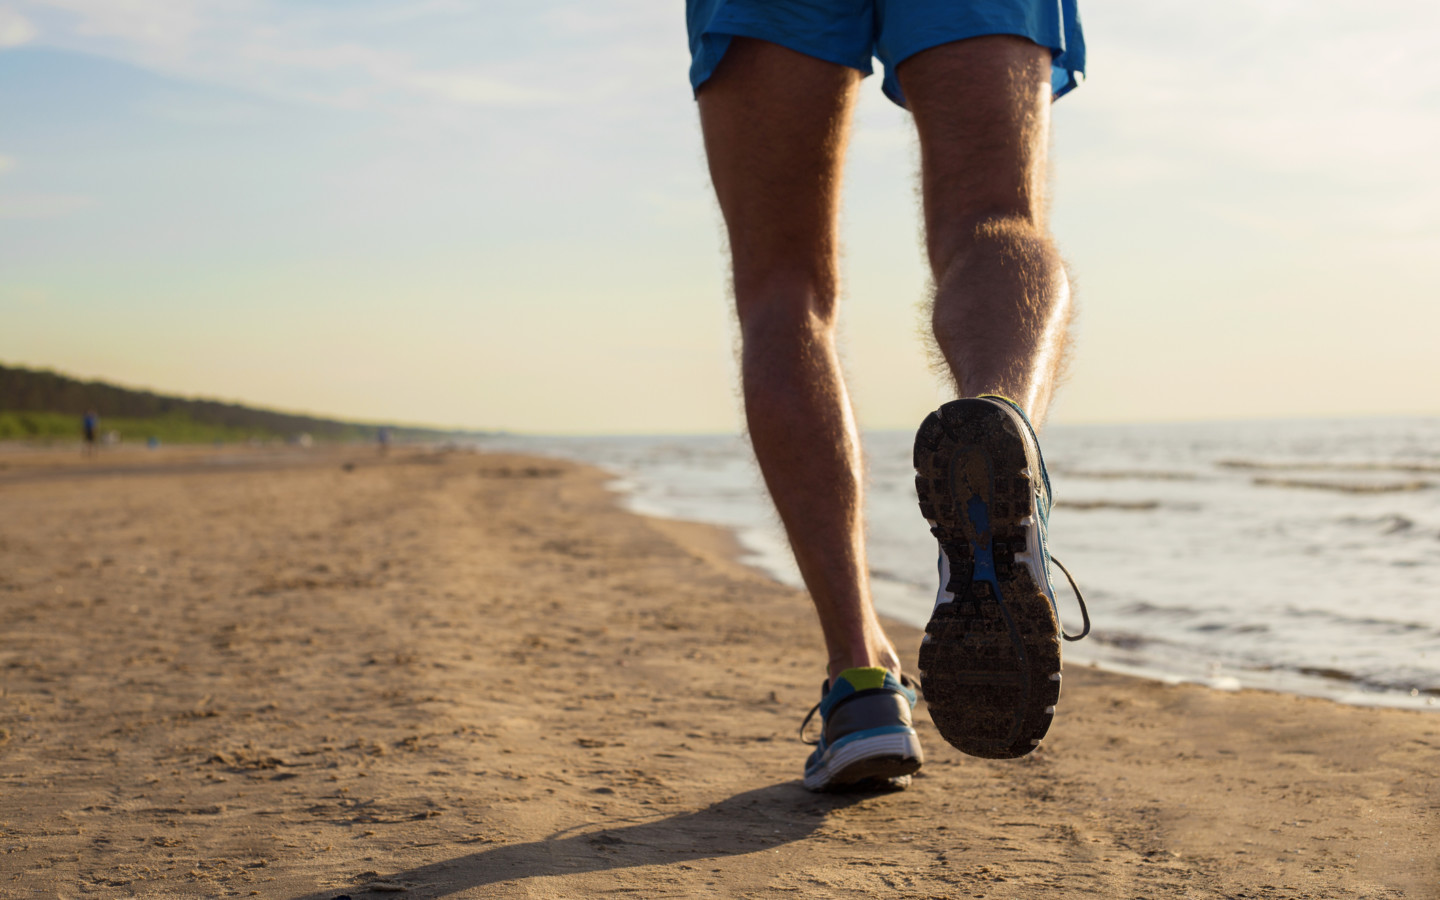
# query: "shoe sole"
(990, 660)
(881, 761)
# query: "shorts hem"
(890, 85)
(715, 43)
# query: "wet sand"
(307, 674)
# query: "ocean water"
(1300, 556)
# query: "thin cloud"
(1266, 88)
(42, 206)
(328, 57)
(478, 89)
(1285, 119)
(154, 23)
(15, 29)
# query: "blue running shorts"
(850, 32)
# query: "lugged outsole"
(990, 661)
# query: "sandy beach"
(322, 673)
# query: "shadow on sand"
(745, 823)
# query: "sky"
(496, 214)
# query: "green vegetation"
(173, 429)
(47, 406)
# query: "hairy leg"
(1002, 305)
(775, 125)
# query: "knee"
(785, 305)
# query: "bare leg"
(775, 124)
(1002, 299)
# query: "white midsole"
(898, 743)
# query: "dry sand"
(306, 675)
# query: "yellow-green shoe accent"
(865, 678)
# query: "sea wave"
(1409, 468)
(1124, 474)
(1344, 487)
(1393, 523)
(1121, 505)
(1193, 569)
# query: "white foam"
(1202, 575)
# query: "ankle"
(882, 657)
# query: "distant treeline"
(36, 403)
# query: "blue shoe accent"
(990, 661)
(1044, 500)
(866, 737)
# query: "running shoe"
(866, 739)
(990, 659)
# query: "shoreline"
(26, 462)
(728, 544)
(1285, 682)
(1319, 594)
(477, 675)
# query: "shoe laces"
(905, 680)
(1080, 598)
(803, 725)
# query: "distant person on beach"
(776, 82)
(90, 426)
(382, 439)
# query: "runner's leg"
(1002, 298)
(775, 124)
(991, 657)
